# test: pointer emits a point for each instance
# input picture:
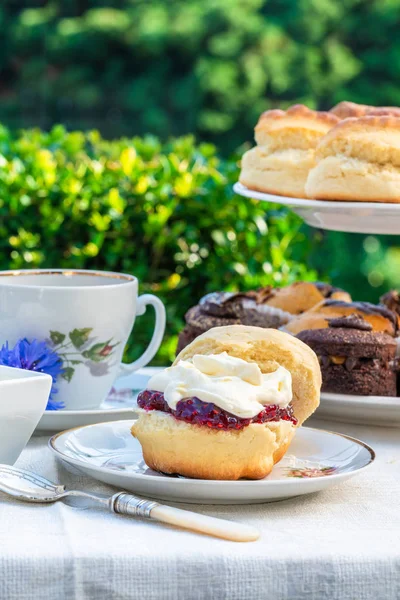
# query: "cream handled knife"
(126, 504)
(30, 487)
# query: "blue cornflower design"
(34, 356)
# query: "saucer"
(355, 217)
(360, 410)
(316, 460)
(119, 405)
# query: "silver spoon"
(30, 487)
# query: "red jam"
(197, 412)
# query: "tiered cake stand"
(351, 217)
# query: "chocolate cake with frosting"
(380, 317)
(354, 359)
(266, 307)
(226, 308)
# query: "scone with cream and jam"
(229, 406)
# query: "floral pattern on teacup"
(78, 348)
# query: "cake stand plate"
(361, 410)
(352, 217)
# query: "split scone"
(230, 404)
(284, 154)
(358, 160)
(346, 109)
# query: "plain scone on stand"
(351, 154)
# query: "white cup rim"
(120, 278)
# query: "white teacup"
(86, 317)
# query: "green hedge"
(166, 213)
(128, 67)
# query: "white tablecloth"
(340, 544)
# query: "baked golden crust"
(375, 139)
(301, 296)
(173, 446)
(297, 111)
(318, 317)
(346, 109)
(284, 154)
(358, 160)
(268, 348)
(384, 110)
(298, 127)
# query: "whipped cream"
(230, 383)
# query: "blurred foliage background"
(207, 67)
(165, 209)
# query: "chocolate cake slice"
(353, 358)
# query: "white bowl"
(23, 400)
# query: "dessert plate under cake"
(355, 217)
(361, 410)
(108, 452)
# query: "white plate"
(108, 452)
(355, 217)
(361, 410)
(119, 405)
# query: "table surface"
(343, 543)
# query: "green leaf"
(76, 362)
(68, 373)
(79, 337)
(57, 337)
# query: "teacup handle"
(158, 334)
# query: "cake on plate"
(353, 358)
